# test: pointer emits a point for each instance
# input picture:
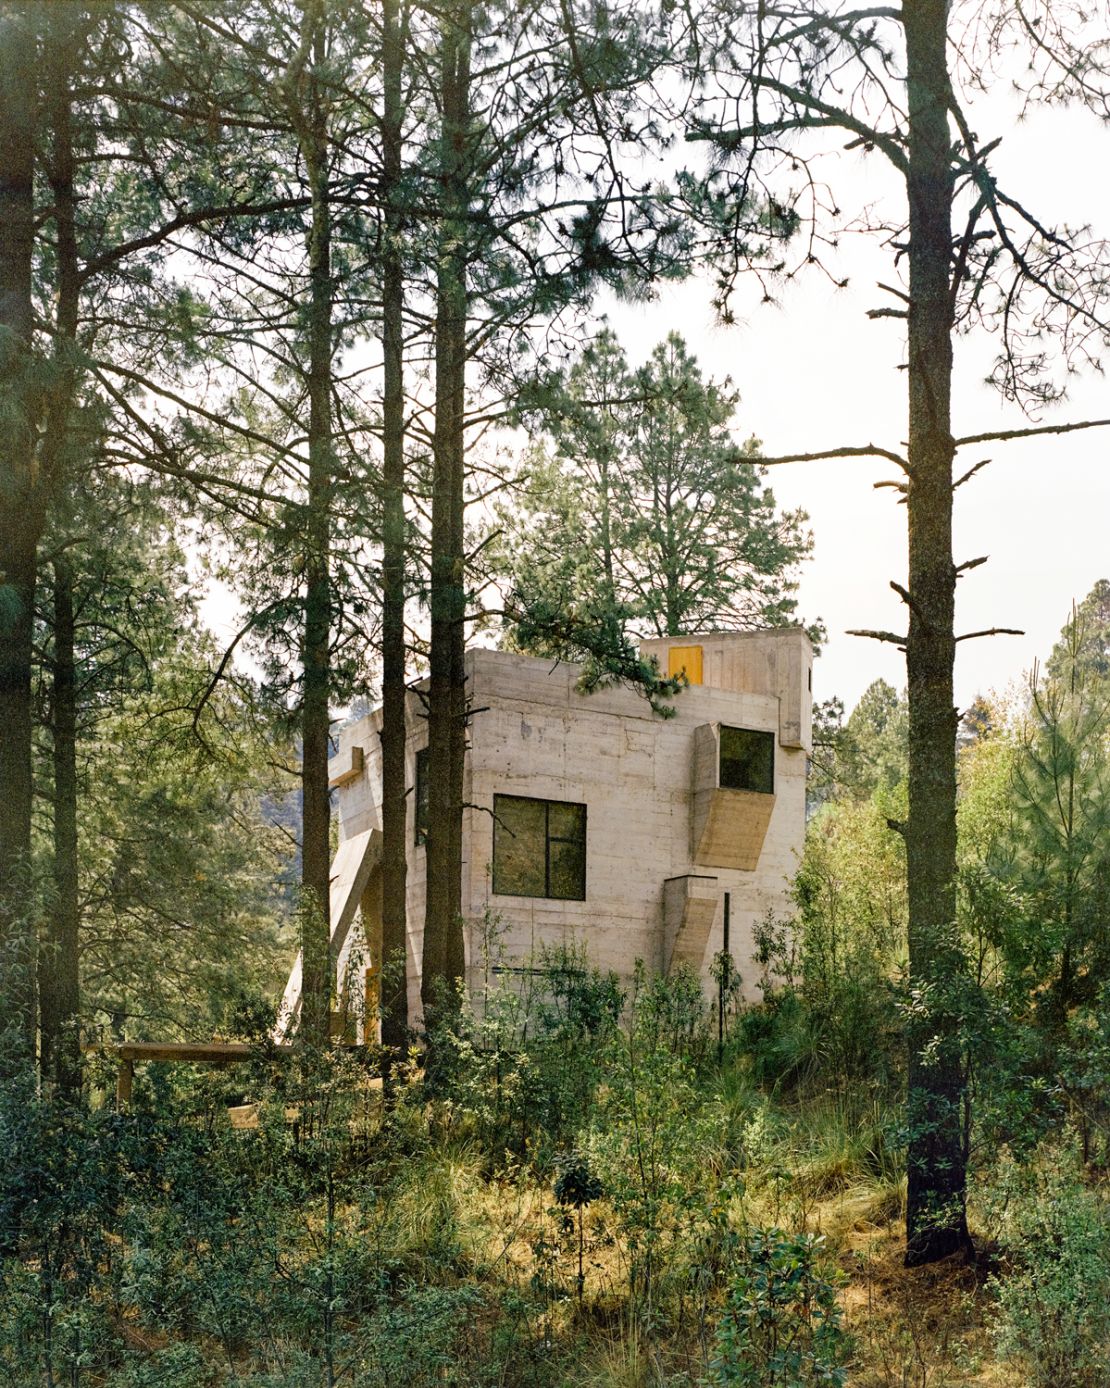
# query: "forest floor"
(431, 1244)
(926, 1327)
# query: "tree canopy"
(638, 498)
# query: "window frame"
(751, 732)
(548, 839)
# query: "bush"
(1054, 1304)
(520, 1060)
(656, 1137)
(781, 1326)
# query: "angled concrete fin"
(355, 859)
(689, 909)
(727, 827)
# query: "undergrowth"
(590, 1197)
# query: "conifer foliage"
(639, 497)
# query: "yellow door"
(685, 660)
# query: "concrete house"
(592, 820)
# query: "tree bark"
(59, 980)
(315, 711)
(936, 1222)
(59, 995)
(443, 941)
(394, 988)
(21, 521)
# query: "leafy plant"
(654, 1132)
(1054, 1302)
(782, 1325)
(576, 1186)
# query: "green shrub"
(781, 1326)
(421, 1339)
(657, 1137)
(1054, 1303)
(520, 1060)
(176, 1366)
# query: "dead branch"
(969, 474)
(1005, 435)
(991, 631)
(899, 641)
(904, 594)
(869, 450)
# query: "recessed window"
(747, 760)
(421, 802)
(539, 848)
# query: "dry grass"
(919, 1328)
(923, 1327)
(821, 1169)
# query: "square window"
(747, 760)
(539, 848)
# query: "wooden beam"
(213, 1052)
(124, 1080)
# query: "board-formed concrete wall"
(535, 735)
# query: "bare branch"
(1005, 435)
(969, 474)
(991, 631)
(904, 594)
(868, 450)
(899, 641)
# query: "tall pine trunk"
(936, 1204)
(394, 990)
(21, 520)
(59, 979)
(315, 711)
(59, 995)
(443, 942)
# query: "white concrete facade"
(664, 843)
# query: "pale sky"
(814, 372)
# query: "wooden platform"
(216, 1053)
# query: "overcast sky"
(814, 372)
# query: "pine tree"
(650, 503)
(778, 79)
(528, 257)
(21, 520)
(1062, 784)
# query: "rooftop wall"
(777, 662)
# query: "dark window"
(539, 848)
(747, 760)
(421, 815)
